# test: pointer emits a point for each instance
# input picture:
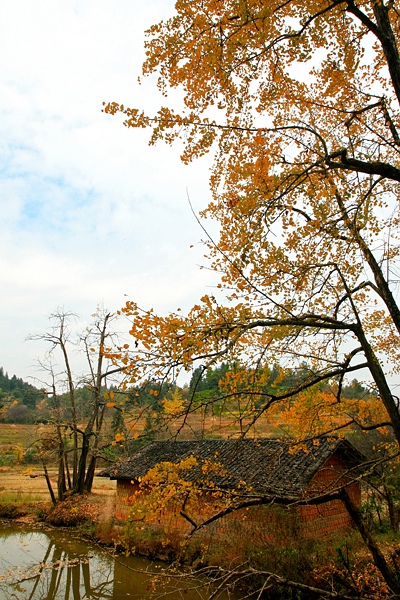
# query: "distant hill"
(16, 389)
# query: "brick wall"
(266, 522)
(330, 517)
(125, 496)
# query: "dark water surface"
(52, 564)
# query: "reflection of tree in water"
(53, 565)
(70, 577)
(59, 573)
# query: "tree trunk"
(61, 485)
(79, 486)
(379, 560)
(90, 474)
(49, 486)
(393, 510)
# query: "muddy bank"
(91, 515)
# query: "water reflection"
(53, 565)
(50, 565)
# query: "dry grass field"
(11, 434)
(27, 483)
(198, 424)
(30, 485)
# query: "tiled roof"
(267, 466)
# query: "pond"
(52, 564)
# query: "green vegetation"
(18, 498)
(18, 399)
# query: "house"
(277, 471)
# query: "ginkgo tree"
(299, 100)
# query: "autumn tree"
(173, 403)
(299, 100)
(76, 432)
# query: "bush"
(73, 511)
(12, 510)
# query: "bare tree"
(77, 423)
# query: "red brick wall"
(330, 517)
(307, 521)
(125, 496)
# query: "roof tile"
(267, 466)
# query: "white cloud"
(89, 211)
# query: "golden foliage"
(174, 404)
(301, 101)
(167, 491)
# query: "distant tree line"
(18, 399)
(22, 402)
(205, 382)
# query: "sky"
(91, 215)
